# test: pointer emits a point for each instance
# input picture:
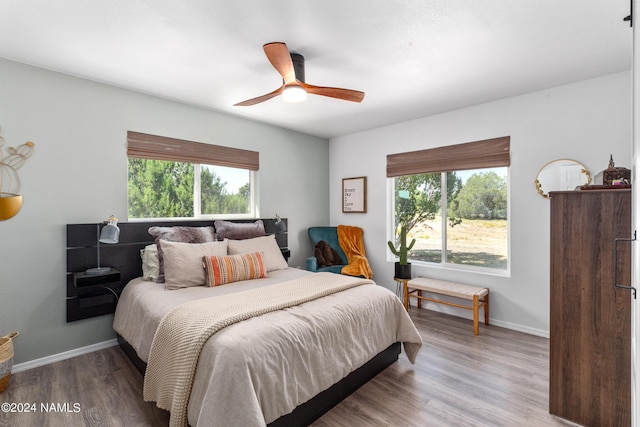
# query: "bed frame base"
(140, 365)
(313, 409)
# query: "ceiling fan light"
(294, 93)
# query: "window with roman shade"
(176, 178)
(145, 146)
(453, 200)
(487, 153)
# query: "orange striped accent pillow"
(221, 270)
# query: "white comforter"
(255, 371)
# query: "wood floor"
(499, 378)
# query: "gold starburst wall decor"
(10, 198)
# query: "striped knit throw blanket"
(182, 333)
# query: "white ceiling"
(412, 58)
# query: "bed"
(282, 367)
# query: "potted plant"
(403, 268)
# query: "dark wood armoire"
(590, 328)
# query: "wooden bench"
(479, 296)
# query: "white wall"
(585, 121)
(78, 174)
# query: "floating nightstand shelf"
(84, 280)
(95, 290)
(92, 295)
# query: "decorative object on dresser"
(561, 175)
(613, 176)
(10, 200)
(590, 324)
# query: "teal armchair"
(329, 235)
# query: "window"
(458, 217)
(170, 178)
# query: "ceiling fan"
(294, 89)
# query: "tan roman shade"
(488, 153)
(145, 146)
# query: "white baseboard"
(63, 356)
(520, 328)
(466, 315)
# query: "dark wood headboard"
(91, 301)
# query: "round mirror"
(561, 175)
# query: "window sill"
(458, 268)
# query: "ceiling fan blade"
(259, 99)
(279, 56)
(287, 64)
(334, 92)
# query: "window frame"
(197, 197)
(153, 147)
(478, 155)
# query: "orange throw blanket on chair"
(352, 244)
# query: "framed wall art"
(354, 195)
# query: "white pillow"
(150, 262)
(273, 259)
(183, 262)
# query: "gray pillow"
(239, 230)
(179, 234)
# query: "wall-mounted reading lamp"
(110, 234)
(281, 226)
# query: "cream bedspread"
(255, 371)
